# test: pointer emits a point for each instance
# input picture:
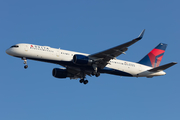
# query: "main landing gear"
(83, 81)
(95, 72)
(25, 62)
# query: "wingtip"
(141, 35)
(174, 62)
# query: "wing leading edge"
(103, 57)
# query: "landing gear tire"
(92, 73)
(85, 82)
(81, 81)
(97, 74)
(25, 62)
(26, 66)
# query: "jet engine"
(82, 60)
(60, 73)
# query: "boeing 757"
(79, 65)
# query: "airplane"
(79, 65)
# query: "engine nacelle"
(82, 60)
(60, 73)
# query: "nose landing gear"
(25, 62)
(26, 66)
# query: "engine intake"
(82, 60)
(60, 73)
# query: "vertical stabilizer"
(154, 58)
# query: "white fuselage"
(59, 56)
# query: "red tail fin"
(154, 58)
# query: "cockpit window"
(14, 46)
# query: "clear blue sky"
(89, 27)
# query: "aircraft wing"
(102, 58)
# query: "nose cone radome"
(8, 51)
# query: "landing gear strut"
(83, 76)
(95, 72)
(25, 62)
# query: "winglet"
(141, 35)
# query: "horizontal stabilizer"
(163, 67)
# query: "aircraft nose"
(8, 51)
